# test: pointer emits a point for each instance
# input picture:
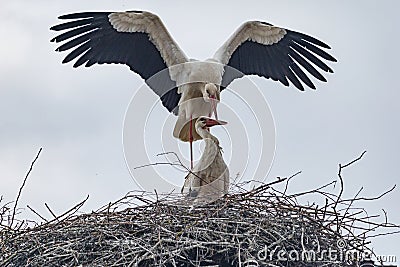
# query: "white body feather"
(209, 179)
(195, 78)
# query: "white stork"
(190, 88)
(209, 179)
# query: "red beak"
(212, 122)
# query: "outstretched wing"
(134, 38)
(273, 52)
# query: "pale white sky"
(77, 115)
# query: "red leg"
(215, 108)
(209, 115)
(212, 106)
(191, 142)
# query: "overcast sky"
(77, 115)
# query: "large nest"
(260, 227)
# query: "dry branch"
(22, 186)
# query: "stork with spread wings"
(190, 88)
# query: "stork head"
(206, 122)
(210, 91)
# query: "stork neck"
(206, 135)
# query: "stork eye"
(202, 119)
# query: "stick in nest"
(22, 186)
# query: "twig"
(341, 167)
(41, 217)
(73, 210)
(367, 198)
(52, 213)
(22, 186)
(355, 160)
(288, 180)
